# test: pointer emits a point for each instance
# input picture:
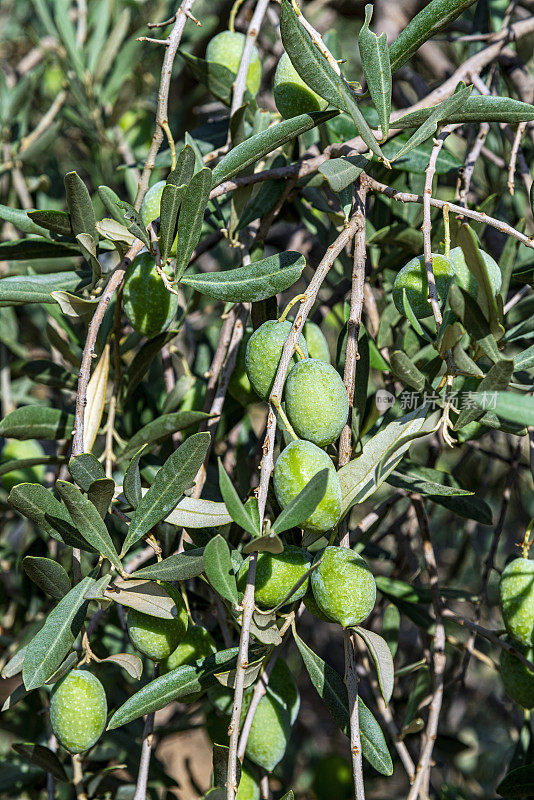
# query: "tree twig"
(162, 111)
(240, 82)
(289, 348)
(351, 682)
(438, 655)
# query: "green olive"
(239, 385)
(78, 710)
(276, 574)
(316, 341)
(317, 404)
(412, 277)
(249, 787)
(227, 48)
(147, 303)
(291, 94)
(517, 679)
(295, 467)
(154, 637)
(516, 594)
(264, 349)
(343, 586)
(269, 732)
(283, 687)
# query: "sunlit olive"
(78, 710)
(295, 467)
(227, 48)
(147, 303)
(413, 279)
(343, 586)
(317, 404)
(263, 353)
(516, 595)
(154, 637)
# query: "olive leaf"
(219, 569)
(383, 660)
(235, 507)
(146, 596)
(374, 55)
(256, 281)
(88, 521)
(304, 504)
(175, 684)
(333, 692)
(49, 647)
(48, 575)
(174, 477)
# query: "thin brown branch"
(240, 82)
(427, 222)
(162, 111)
(242, 664)
(351, 682)
(304, 309)
(354, 321)
(422, 772)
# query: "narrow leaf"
(48, 575)
(219, 569)
(39, 504)
(431, 19)
(85, 469)
(37, 422)
(179, 567)
(376, 68)
(176, 475)
(256, 281)
(332, 690)
(383, 660)
(304, 504)
(194, 202)
(82, 213)
(235, 507)
(175, 684)
(88, 521)
(131, 485)
(96, 399)
(259, 145)
(49, 647)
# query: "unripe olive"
(17, 450)
(239, 385)
(516, 595)
(227, 48)
(78, 710)
(264, 349)
(343, 586)
(151, 207)
(269, 732)
(291, 94)
(147, 303)
(316, 341)
(466, 279)
(295, 467)
(249, 787)
(154, 637)
(197, 643)
(317, 404)
(311, 604)
(283, 687)
(276, 574)
(517, 679)
(412, 277)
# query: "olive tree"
(266, 382)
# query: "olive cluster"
(516, 595)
